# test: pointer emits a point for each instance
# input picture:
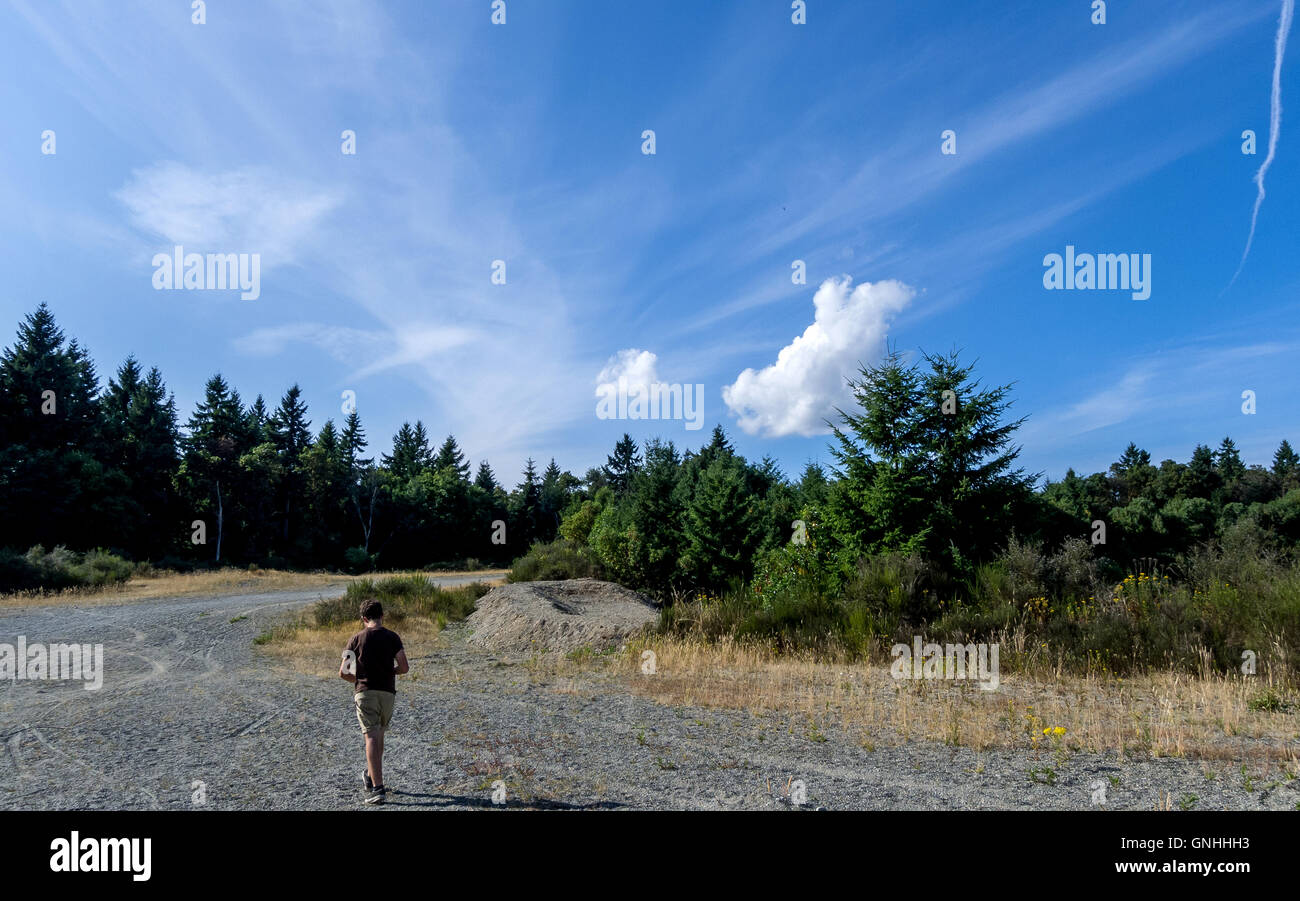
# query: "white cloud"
(639, 367)
(796, 394)
(238, 211)
(1274, 126)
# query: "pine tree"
(657, 516)
(1286, 463)
(719, 446)
(556, 488)
(326, 496)
(115, 404)
(721, 525)
(219, 434)
(486, 479)
(1133, 473)
(290, 432)
(48, 390)
(449, 457)
(1201, 476)
(622, 464)
(259, 421)
(290, 427)
(927, 465)
(813, 485)
(526, 507)
(142, 439)
(410, 455)
(54, 485)
(878, 501)
(1227, 461)
(354, 443)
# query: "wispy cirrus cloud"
(252, 210)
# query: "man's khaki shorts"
(374, 709)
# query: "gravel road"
(191, 715)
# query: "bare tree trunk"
(367, 521)
(220, 520)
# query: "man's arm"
(400, 666)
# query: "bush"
(99, 568)
(1221, 604)
(180, 564)
(60, 568)
(576, 527)
(558, 560)
(357, 561)
(402, 597)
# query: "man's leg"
(375, 756)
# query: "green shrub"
(357, 561)
(402, 597)
(1215, 606)
(60, 568)
(558, 560)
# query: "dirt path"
(187, 699)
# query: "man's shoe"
(365, 777)
(376, 795)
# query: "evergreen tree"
(1201, 476)
(410, 455)
(1227, 462)
(354, 443)
(55, 486)
(551, 501)
(813, 485)
(219, 433)
(142, 438)
(621, 465)
(1133, 473)
(879, 501)
(526, 508)
(486, 479)
(115, 404)
(326, 496)
(449, 457)
(1286, 463)
(594, 480)
(48, 390)
(927, 465)
(721, 526)
(290, 432)
(290, 429)
(259, 422)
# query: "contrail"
(1274, 124)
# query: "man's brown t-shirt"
(375, 650)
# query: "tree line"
(236, 483)
(924, 465)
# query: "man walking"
(373, 660)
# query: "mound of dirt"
(561, 616)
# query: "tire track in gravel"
(187, 701)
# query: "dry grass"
(168, 584)
(316, 651)
(1162, 714)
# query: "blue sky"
(774, 142)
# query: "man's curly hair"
(371, 609)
